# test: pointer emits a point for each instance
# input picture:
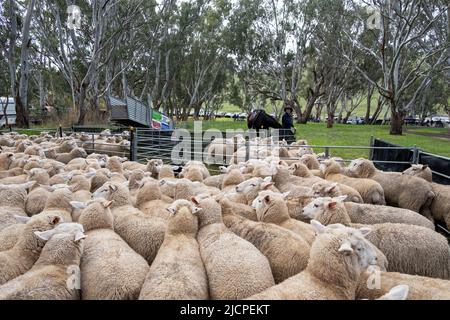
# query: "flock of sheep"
(79, 226)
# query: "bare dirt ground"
(443, 135)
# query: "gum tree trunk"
(396, 121)
(22, 118)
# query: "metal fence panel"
(387, 159)
(391, 160)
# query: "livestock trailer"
(132, 112)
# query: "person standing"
(287, 122)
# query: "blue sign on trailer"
(160, 121)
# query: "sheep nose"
(237, 189)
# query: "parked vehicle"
(355, 120)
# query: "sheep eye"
(316, 205)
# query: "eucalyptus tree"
(82, 52)
(409, 42)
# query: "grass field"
(349, 135)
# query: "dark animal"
(259, 119)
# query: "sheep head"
(73, 228)
(326, 210)
(361, 168)
(326, 189)
(154, 165)
(421, 171)
(209, 211)
(329, 167)
(271, 206)
(347, 250)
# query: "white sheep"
(287, 252)
(26, 251)
(142, 233)
(336, 263)
(400, 190)
(51, 277)
(409, 248)
(272, 208)
(235, 268)
(179, 251)
(374, 284)
(110, 269)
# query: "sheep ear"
(90, 174)
(195, 201)
(27, 185)
(332, 205)
(331, 188)
(55, 220)
(126, 183)
(265, 186)
(425, 166)
(341, 198)
(106, 204)
(140, 183)
(267, 179)
(113, 188)
(21, 219)
(318, 227)
(286, 194)
(44, 235)
(399, 292)
(48, 188)
(365, 231)
(79, 235)
(172, 209)
(267, 199)
(78, 204)
(345, 248)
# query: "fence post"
(372, 143)
(60, 131)
(93, 142)
(415, 159)
(247, 150)
(327, 152)
(133, 144)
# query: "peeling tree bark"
(22, 117)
